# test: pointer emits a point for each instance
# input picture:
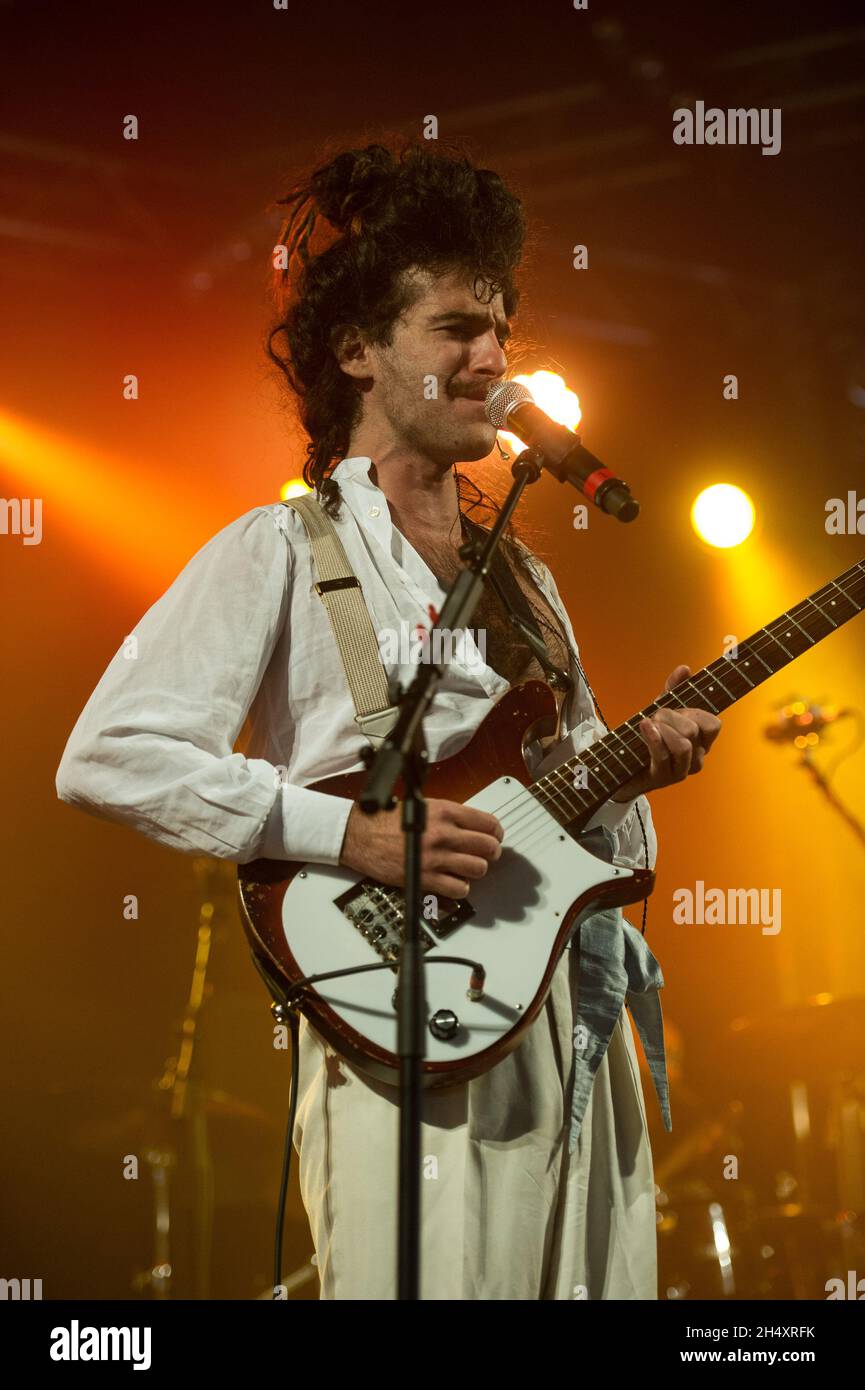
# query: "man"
(395, 328)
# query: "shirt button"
(374, 511)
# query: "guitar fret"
(779, 643)
(740, 682)
(564, 791)
(616, 754)
(835, 585)
(704, 694)
(723, 687)
(752, 651)
(556, 795)
(820, 611)
(635, 747)
(607, 765)
(849, 576)
(812, 640)
(741, 674)
(591, 754)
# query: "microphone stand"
(807, 764)
(403, 754)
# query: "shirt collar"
(366, 502)
(369, 508)
(355, 469)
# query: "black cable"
(600, 714)
(286, 1156)
(284, 1005)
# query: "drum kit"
(766, 1199)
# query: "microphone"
(509, 406)
(798, 720)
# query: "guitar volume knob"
(444, 1024)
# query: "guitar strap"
(340, 591)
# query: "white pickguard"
(518, 908)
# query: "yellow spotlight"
(552, 395)
(723, 515)
(295, 487)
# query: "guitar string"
(634, 744)
(764, 639)
(536, 823)
(561, 634)
(527, 802)
(636, 741)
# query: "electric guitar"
(310, 919)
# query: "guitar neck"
(574, 790)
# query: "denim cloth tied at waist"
(615, 967)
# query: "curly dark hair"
(416, 205)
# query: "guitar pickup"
(378, 913)
(452, 913)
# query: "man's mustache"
(473, 393)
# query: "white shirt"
(241, 631)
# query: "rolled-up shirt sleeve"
(622, 820)
(152, 747)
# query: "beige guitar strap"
(339, 590)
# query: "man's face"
(429, 384)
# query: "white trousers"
(507, 1213)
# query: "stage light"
(723, 515)
(552, 395)
(295, 487)
(130, 514)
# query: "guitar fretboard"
(613, 760)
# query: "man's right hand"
(457, 847)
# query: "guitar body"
(305, 919)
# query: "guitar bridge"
(378, 913)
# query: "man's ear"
(351, 350)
